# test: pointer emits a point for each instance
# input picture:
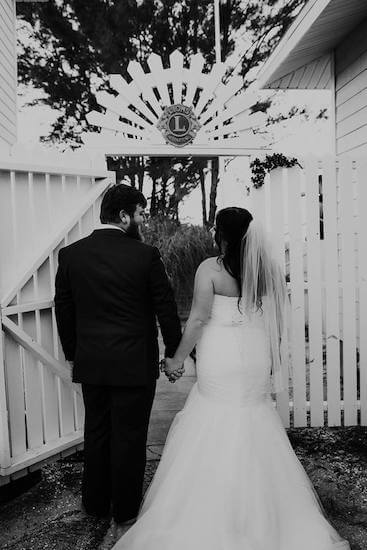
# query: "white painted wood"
(354, 122)
(88, 200)
(276, 221)
(159, 77)
(351, 88)
(326, 79)
(318, 28)
(320, 67)
(351, 71)
(297, 297)
(51, 420)
(347, 229)
(351, 93)
(306, 77)
(15, 396)
(193, 75)
(351, 47)
(32, 382)
(332, 292)
(142, 82)
(5, 459)
(243, 123)
(33, 456)
(97, 119)
(66, 409)
(176, 62)
(8, 99)
(314, 292)
(332, 103)
(362, 284)
(130, 94)
(296, 77)
(219, 148)
(350, 142)
(28, 343)
(205, 93)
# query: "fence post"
(4, 428)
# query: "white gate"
(316, 216)
(41, 210)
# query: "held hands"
(172, 369)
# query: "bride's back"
(224, 284)
(233, 361)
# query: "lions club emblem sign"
(178, 125)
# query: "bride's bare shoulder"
(211, 264)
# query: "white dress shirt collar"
(108, 226)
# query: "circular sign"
(178, 125)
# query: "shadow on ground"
(47, 516)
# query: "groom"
(110, 287)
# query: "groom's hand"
(173, 369)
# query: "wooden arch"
(132, 117)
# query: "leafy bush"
(183, 247)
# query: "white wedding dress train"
(228, 478)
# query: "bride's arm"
(200, 311)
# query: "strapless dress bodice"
(228, 311)
(233, 361)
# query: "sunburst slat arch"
(176, 110)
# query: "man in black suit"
(110, 287)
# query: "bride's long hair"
(247, 255)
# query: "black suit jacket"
(109, 290)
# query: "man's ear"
(123, 216)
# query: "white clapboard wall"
(351, 93)
(327, 286)
(8, 74)
(41, 210)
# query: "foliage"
(259, 167)
(67, 49)
(183, 247)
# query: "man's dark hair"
(120, 197)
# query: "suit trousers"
(115, 437)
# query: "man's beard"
(133, 231)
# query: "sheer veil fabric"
(264, 287)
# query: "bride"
(228, 478)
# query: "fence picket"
(297, 296)
(314, 293)
(32, 386)
(276, 220)
(15, 397)
(332, 327)
(362, 283)
(347, 228)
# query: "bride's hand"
(173, 369)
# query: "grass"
(183, 247)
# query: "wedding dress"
(228, 478)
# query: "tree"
(67, 48)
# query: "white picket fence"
(328, 286)
(41, 210)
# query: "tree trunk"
(203, 196)
(153, 199)
(213, 190)
(141, 173)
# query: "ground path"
(48, 515)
